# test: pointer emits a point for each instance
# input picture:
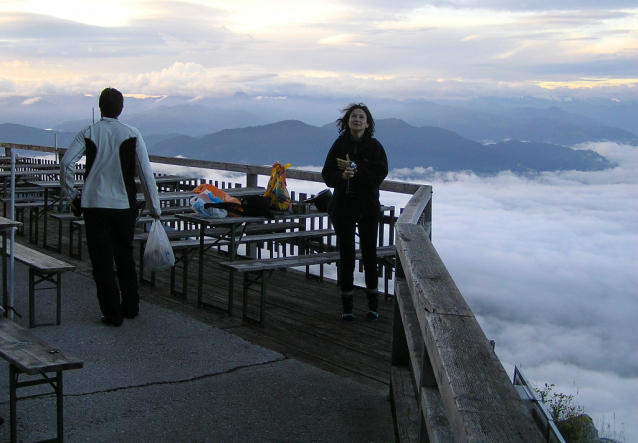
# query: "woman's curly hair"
(342, 123)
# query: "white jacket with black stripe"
(115, 154)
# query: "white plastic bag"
(198, 202)
(158, 255)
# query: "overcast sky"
(281, 48)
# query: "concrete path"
(164, 377)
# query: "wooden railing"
(447, 384)
(251, 171)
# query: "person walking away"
(115, 154)
(355, 167)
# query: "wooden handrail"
(251, 171)
(447, 384)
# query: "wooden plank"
(295, 261)
(405, 408)
(430, 283)
(38, 260)
(29, 353)
(295, 235)
(435, 419)
(477, 393)
(412, 212)
(411, 328)
(481, 403)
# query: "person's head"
(362, 117)
(111, 103)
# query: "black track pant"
(345, 223)
(109, 236)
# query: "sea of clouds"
(548, 263)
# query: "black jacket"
(372, 168)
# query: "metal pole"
(12, 236)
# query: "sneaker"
(372, 315)
(108, 322)
(349, 317)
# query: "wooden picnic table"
(232, 236)
(24, 174)
(236, 227)
(49, 186)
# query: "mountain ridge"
(295, 142)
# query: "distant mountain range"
(181, 119)
(406, 146)
(301, 145)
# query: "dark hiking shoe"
(372, 315)
(108, 322)
(349, 317)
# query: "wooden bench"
(42, 269)
(189, 242)
(170, 210)
(21, 196)
(29, 356)
(61, 218)
(186, 247)
(77, 226)
(263, 269)
(35, 208)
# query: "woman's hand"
(343, 164)
(348, 173)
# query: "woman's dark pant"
(109, 236)
(345, 223)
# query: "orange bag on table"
(230, 204)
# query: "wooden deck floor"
(302, 316)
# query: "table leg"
(5, 284)
(200, 280)
(45, 213)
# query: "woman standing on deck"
(355, 167)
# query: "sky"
(452, 49)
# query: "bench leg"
(244, 314)
(185, 260)
(31, 297)
(13, 400)
(231, 291)
(72, 229)
(19, 216)
(59, 249)
(33, 221)
(56, 384)
(262, 277)
(56, 279)
(59, 393)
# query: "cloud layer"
(548, 264)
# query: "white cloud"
(31, 101)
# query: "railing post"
(251, 180)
